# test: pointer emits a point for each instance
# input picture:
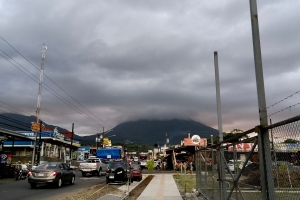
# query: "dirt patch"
(137, 191)
(94, 192)
(97, 191)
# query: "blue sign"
(83, 149)
(4, 158)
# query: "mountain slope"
(148, 132)
(154, 131)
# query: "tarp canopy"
(109, 153)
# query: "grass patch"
(185, 182)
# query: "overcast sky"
(110, 61)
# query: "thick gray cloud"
(108, 62)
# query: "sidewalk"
(161, 187)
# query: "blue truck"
(109, 153)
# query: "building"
(53, 146)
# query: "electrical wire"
(56, 85)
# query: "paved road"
(16, 190)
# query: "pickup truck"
(93, 165)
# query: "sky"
(112, 61)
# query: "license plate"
(111, 176)
(41, 174)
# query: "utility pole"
(264, 151)
(102, 138)
(39, 145)
(71, 142)
(38, 107)
(221, 165)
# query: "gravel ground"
(97, 191)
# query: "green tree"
(150, 166)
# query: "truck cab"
(94, 166)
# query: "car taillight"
(108, 171)
(54, 173)
(29, 173)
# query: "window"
(65, 166)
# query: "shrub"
(150, 165)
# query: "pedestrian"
(191, 166)
(190, 163)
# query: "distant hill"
(147, 132)
(17, 122)
(154, 131)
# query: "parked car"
(93, 165)
(55, 173)
(238, 164)
(143, 164)
(136, 172)
(119, 172)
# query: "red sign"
(242, 147)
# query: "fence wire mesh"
(244, 170)
(285, 160)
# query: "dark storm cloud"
(129, 60)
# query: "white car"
(143, 164)
(238, 164)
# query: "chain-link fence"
(250, 170)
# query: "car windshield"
(117, 164)
(46, 166)
(136, 167)
(92, 160)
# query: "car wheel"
(72, 180)
(33, 185)
(99, 172)
(83, 174)
(59, 183)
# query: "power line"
(8, 125)
(289, 107)
(53, 83)
(12, 107)
(15, 121)
(282, 100)
(49, 88)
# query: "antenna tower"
(38, 107)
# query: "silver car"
(55, 173)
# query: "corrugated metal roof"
(9, 133)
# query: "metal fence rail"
(242, 164)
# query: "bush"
(150, 165)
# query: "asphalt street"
(16, 190)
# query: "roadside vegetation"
(185, 182)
